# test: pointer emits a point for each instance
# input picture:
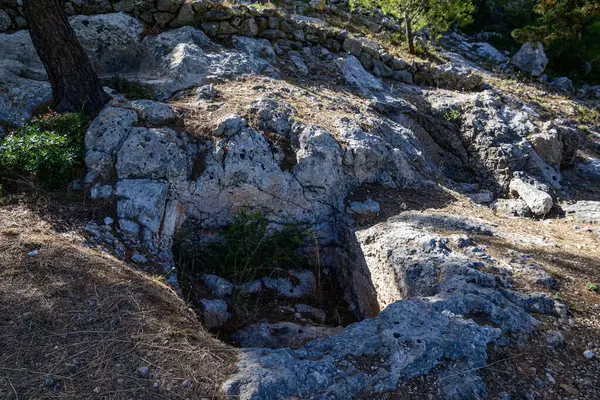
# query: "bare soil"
(77, 323)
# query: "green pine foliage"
(437, 15)
(570, 30)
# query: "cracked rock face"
(427, 294)
(490, 136)
(242, 167)
(407, 339)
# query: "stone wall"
(284, 30)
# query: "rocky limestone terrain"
(413, 178)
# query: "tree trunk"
(409, 33)
(75, 85)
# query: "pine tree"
(75, 85)
(437, 15)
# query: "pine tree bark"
(75, 85)
(409, 33)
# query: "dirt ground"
(76, 323)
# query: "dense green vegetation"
(569, 29)
(437, 15)
(248, 250)
(49, 148)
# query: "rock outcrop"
(409, 337)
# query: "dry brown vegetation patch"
(320, 105)
(77, 323)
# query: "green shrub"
(592, 287)
(50, 147)
(248, 250)
(452, 115)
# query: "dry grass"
(320, 105)
(77, 323)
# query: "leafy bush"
(248, 250)
(50, 147)
(452, 115)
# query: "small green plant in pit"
(593, 287)
(452, 115)
(50, 146)
(248, 250)
(131, 89)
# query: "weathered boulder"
(531, 58)
(537, 200)
(155, 153)
(153, 112)
(449, 76)
(367, 208)
(356, 76)
(549, 146)
(272, 115)
(491, 140)
(141, 202)
(4, 21)
(255, 47)
(112, 41)
(23, 78)
(219, 286)
(104, 138)
(512, 207)
(213, 313)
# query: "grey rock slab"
(221, 287)
(300, 65)
(489, 52)
(272, 115)
(4, 21)
(368, 207)
(112, 41)
(407, 339)
(154, 112)
(356, 76)
(153, 153)
(229, 125)
(206, 92)
(450, 76)
(213, 313)
(105, 136)
(280, 334)
(584, 210)
(261, 48)
(563, 84)
(23, 78)
(142, 200)
(512, 207)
